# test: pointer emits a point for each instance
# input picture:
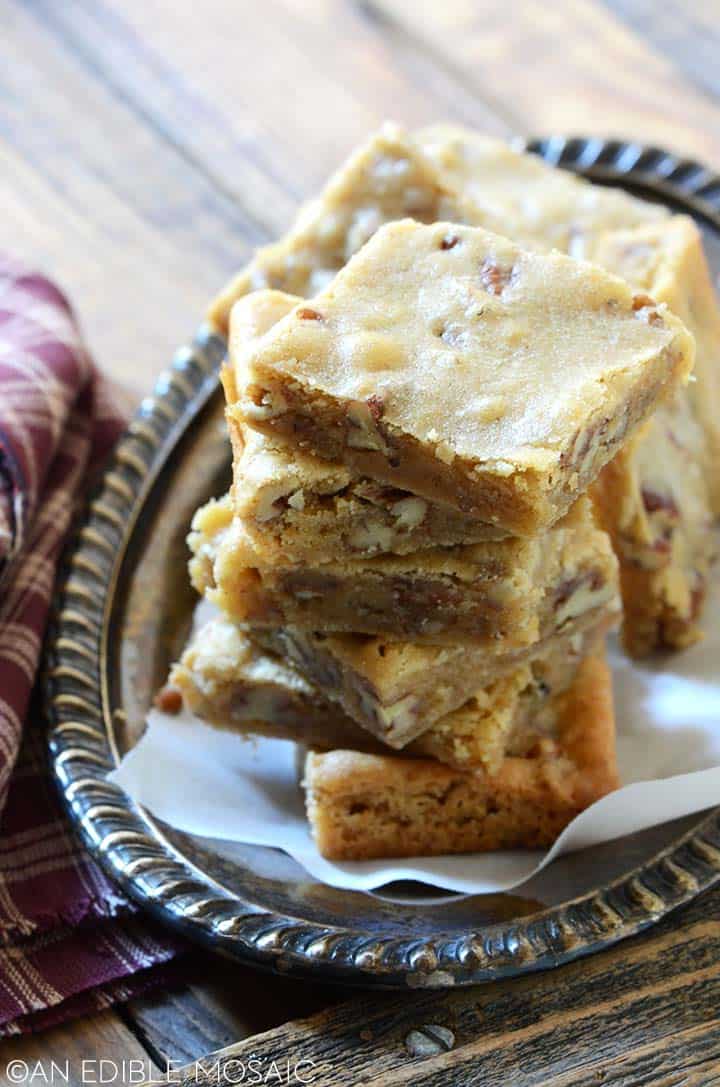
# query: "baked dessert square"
(398, 690)
(364, 806)
(231, 683)
(300, 508)
(667, 261)
(449, 362)
(503, 594)
(655, 498)
(388, 177)
(536, 204)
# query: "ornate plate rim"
(132, 849)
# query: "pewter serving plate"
(122, 614)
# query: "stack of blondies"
(444, 441)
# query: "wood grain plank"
(687, 31)
(215, 138)
(136, 240)
(586, 1019)
(293, 89)
(69, 1054)
(686, 1059)
(571, 67)
(220, 1003)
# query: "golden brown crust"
(369, 806)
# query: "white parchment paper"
(217, 785)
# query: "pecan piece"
(645, 308)
(697, 597)
(494, 278)
(591, 581)
(653, 501)
(376, 405)
(169, 699)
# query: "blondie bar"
(531, 202)
(362, 806)
(653, 501)
(542, 207)
(667, 261)
(398, 690)
(388, 177)
(448, 362)
(504, 594)
(231, 683)
(302, 509)
(655, 498)
(441, 173)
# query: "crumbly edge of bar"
(474, 735)
(477, 734)
(325, 532)
(304, 526)
(312, 721)
(370, 606)
(394, 711)
(494, 593)
(683, 262)
(408, 705)
(366, 806)
(651, 620)
(370, 603)
(518, 498)
(264, 696)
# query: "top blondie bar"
(447, 361)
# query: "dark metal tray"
(123, 609)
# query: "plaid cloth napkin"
(69, 941)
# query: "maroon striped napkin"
(69, 942)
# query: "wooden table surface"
(145, 147)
